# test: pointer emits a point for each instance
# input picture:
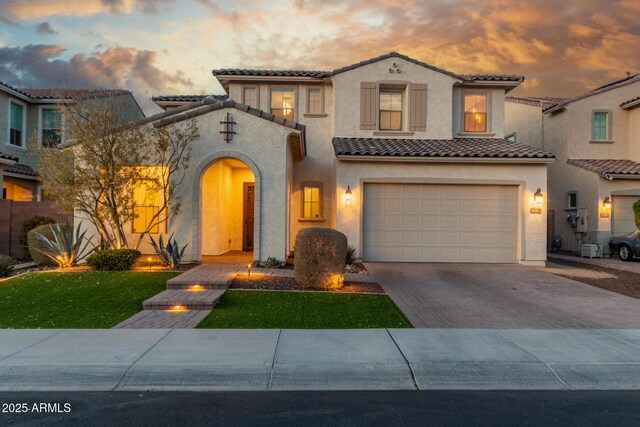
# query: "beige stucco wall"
(634, 134)
(526, 122)
(532, 227)
(346, 106)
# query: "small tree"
(105, 158)
(636, 213)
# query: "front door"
(248, 196)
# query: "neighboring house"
(596, 139)
(33, 113)
(406, 159)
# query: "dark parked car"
(626, 246)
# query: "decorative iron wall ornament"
(228, 128)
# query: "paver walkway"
(615, 263)
(500, 296)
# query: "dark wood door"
(248, 197)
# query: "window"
(283, 103)
(601, 126)
(314, 101)
(16, 124)
(250, 96)
(311, 201)
(390, 110)
(50, 127)
(510, 137)
(572, 200)
(145, 209)
(475, 112)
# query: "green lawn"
(304, 310)
(87, 299)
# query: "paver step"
(195, 286)
(184, 300)
(163, 319)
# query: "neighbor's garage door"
(622, 221)
(440, 223)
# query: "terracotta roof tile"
(5, 156)
(457, 147)
(268, 73)
(53, 93)
(534, 101)
(607, 167)
(19, 169)
(493, 77)
(610, 86)
(186, 98)
(632, 103)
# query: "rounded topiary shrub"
(35, 247)
(28, 225)
(319, 258)
(113, 259)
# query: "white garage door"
(622, 221)
(440, 223)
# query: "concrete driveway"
(500, 296)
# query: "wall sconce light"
(348, 196)
(538, 197)
(606, 203)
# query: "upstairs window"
(283, 103)
(572, 200)
(475, 112)
(314, 101)
(51, 127)
(391, 110)
(600, 126)
(250, 96)
(311, 201)
(16, 124)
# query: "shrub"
(28, 225)
(113, 259)
(271, 262)
(636, 213)
(170, 254)
(36, 248)
(66, 248)
(351, 255)
(6, 265)
(319, 258)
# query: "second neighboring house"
(596, 140)
(28, 113)
(409, 161)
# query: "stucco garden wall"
(532, 227)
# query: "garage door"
(440, 223)
(622, 221)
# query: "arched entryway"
(229, 206)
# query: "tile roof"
(610, 86)
(324, 74)
(534, 101)
(634, 102)
(5, 156)
(187, 98)
(19, 169)
(53, 93)
(268, 73)
(211, 104)
(14, 89)
(457, 147)
(607, 167)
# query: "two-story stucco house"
(34, 113)
(409, 161)
(596, 139)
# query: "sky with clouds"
(157, 47)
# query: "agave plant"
(170, 254)
(67, 247)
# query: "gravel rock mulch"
(618, 281)
(275, 283)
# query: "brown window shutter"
(418, 107)
(368, 105)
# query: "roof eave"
(226, 79)
(8, 161)
(510, 85)
(612, 176)
(421, 159)
(21, 176)
(631, 105)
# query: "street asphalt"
(386, 408)
(296, 360)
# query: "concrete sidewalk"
(366, 359)
(614, 262)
